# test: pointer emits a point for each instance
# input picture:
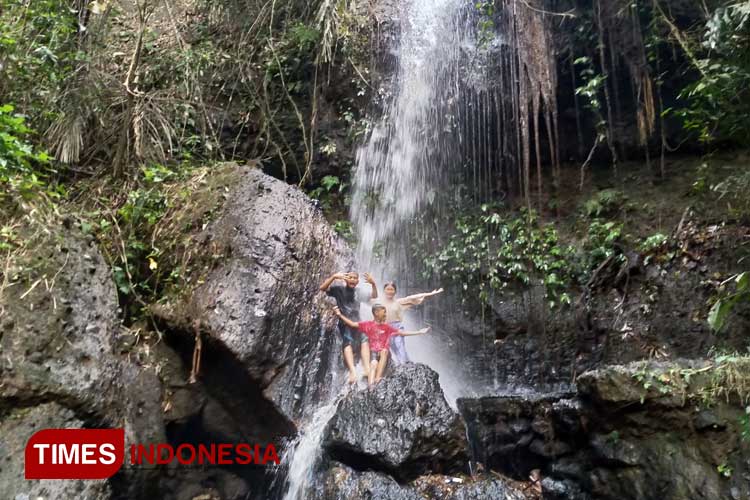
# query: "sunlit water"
(301, 456)
(402, 165)
(410, 155)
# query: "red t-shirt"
(378, 334)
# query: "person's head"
(352, 279)
(389, 289)
(378, 312)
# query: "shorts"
(351, 336)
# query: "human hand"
(337, 311)
(369, 279)
(424, 330)
(435, 292)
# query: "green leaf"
(718, 314)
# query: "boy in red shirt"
(379, 334)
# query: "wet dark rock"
(554, 489)
(616, 439)
(340, 482)
(276, 248)
(403, 425)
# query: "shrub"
(490, 251)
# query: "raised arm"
(417, 298)
(347, 321)
(327, 283)
(371, 281)
(409, 334)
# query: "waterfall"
(399, 167)
(302, 455)
(434, 130)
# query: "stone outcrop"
(403, 425)
(618, 438)
(59, 364)
(340, 482)
(259, 305)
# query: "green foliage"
(486, 23)
(593, 85)
(718, 103)
(728, 299)
(745, 425)
(328, 193)
(605, 203)
(488, 252)
(23, 169)
(734, 191)
(344, 229)
(653, 243)
(725, 378)
(601, 243)
(37, 43)
(725, 470)
(141, 237)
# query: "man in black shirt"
(348, 302)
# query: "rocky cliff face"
(59, 362)
(259, 307)
(617, 438)
(268, 352)
(401, 440)
(634, 432)
(402, 426)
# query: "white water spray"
(302, 455)
(409, 153)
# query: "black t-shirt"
(347, 300)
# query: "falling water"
(435, 130)
(444, 130)
(302, 455)
(398, 169)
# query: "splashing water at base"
(301, 456)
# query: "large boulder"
(59, 362)
(403, 425)
(259, 304)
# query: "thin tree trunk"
(607, 99)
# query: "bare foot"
(352, 378)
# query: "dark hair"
(375, 307)
(390, 283)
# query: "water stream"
(411, 154)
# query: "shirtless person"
(348, 302)
(379, 334)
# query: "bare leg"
(364, 353)
(381, 365)
(349, 361)
(371, 372)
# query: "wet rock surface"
(615, 439)
(259, 306)
(340, 482)
(403, 426)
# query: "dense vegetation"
(116, 112)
